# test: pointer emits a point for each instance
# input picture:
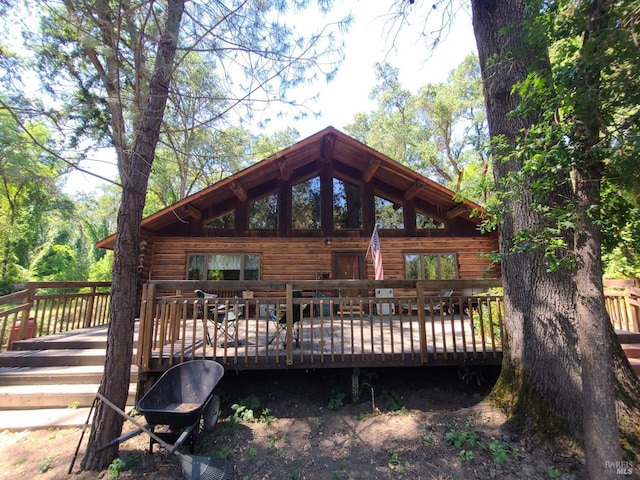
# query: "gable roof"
(349, 158)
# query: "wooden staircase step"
(60, 342)
(25, 397)
(55, 375)
(53, 358)
(631, 350)
(628, 337)
(635, 365)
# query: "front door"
(349, 266)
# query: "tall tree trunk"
(601, 435)
(107, 423)
(540, 382)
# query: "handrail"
(348, 326)
(344, 323)
(45, 308)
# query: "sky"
(348, 94)
(366, 44)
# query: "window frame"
(421, 256)
(207, 255)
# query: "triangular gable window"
(388, 214)
(427, 223)
(226, 221)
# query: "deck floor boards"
(354, 339)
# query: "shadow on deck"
(333, 341)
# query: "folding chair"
(280, 322)
(222, 315)
(441, 304)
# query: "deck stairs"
(61, 374)
(630, 342)
(61, 371)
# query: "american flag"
(374, 244)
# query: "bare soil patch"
(406, 424)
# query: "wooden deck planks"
(354, 339)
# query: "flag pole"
(369, 247)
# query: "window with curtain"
(429, 266)
(223, 267)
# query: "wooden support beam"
(189, 211)
(238, 191)
(456, 211)
(373, 166)
(328, 146)
(285, 173)
(413, 190)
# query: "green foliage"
(121, 464)
(393, 400)
(470, 439)
(100, 271)
(460, 439)
(266, 417)
(502, 451)
(427, 439)
(487, 321)
(620, 239)
(585, 109)
(553, 472)
(440, 131)
(244, 410)
(336, 400)
(224, 452)
(30, 200)
(55, 263)
(46, 464)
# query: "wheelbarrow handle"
(137, 424)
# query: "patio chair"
(222, 315)
(440, 305)
(280, 322)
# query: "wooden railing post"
(26, 314)
(289, 335)
(632, 295)
(145, 329)
(88, 313)
(422, 324)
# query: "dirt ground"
(406, 424)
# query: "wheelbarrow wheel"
(210, 415)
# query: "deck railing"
(314, 324)
(622, 299)
(46, 308)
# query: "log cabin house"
(308, 212)
(305, 214)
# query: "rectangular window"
(429, 266)
(223, 267)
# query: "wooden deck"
(337, 332)
(414, 327)
(361, 341)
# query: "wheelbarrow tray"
(179, 396)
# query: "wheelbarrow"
(180, 399)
